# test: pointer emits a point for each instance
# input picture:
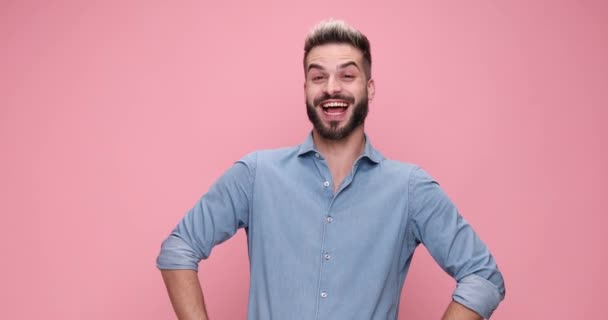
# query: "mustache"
(334, 96)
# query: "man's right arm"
(185, 293)
(216, 217)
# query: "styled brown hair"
(338, 31)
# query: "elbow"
(480, 294)
(176, 254)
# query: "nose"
(333, 86)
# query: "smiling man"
(331, 224)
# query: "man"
(331, 224)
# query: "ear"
(371, 89)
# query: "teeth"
(335, 104)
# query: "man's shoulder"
(404, 174)
(398, 167)
(414, 173)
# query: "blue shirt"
(316, 254)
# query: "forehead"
(334, 53)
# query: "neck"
(344, 151)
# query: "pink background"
(117, 115)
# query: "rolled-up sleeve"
(455, 246)
(214, 218)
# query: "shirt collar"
(369, 152)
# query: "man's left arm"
(457, 249)
(456, 311)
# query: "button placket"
(326, 257)
(325, 273)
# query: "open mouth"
(334, 107)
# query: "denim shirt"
(316, 254)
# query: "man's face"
(337, 90)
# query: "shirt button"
(317, 155)
(326, 256)
(323, 294)
(329, 219)
(326, 183)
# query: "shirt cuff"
(478, 294)
(175, 253)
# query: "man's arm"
(454, 245)
(456, 311)
(216, 217)
(185, 294)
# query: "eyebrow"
(314, 66)
(341, 66)
(349, 63)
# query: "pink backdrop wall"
(115, 116)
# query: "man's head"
(338, 83)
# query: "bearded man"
(331, 224)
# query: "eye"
(317, 77)
(348, 76)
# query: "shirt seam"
(399, 287)
(411, 187)
(253, 176)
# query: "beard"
(334, 131)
